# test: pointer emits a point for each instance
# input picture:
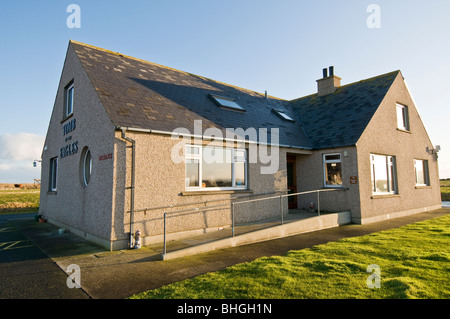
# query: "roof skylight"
(283, 115)
(226, 102)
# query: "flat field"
(445, 190)
(19, 199)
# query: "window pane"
(228, 103)
(333, 174)
(380, 173)
(192, 170)
(420, 176)
(70, 100)
(87, 167)
(239, 155)
(285, 116)
(402, 117)
(239, 174)
(53, 173)
(216, 167)
(333, 157)
(192, 150)
(392, 179)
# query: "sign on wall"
(70, 148)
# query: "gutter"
(133, 182)
(150, 131)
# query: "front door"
(291, 180)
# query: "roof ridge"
(170, 68)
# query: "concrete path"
(120, 274)
(26, 272)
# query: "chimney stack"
(329, 83)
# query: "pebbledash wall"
(100, 211)
(382, 136)
(160, 183)
(86, 211)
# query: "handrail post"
(232, 219)
(164, 249)
(318, 202)
(281, 208)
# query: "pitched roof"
(339, 119)
(141, 94)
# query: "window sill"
(385, 196)
(52, 192)
(333, 187)
(422, 186)
(214, 192)
(66, 118)
(404, 131)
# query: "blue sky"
(279, 46)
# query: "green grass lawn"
(414, 263)
(23, 200)
(445, 190)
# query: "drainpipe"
(132, 187)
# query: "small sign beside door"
(353, 179)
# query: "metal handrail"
(192, 211)
(204, 202)
(233, 203)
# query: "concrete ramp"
(274, 232)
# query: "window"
(421, 172)
(402, 117)
(226, 103)
(384, 180)
(283, 115)
(215, 168)
(332, 169)
(86, 167)
(68, 99)
(53, 174)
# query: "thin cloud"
(17, 153)
(21, 147)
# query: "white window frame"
(423, 164)
(53, 175)
(325, 162)
(69, 88)
(391, 173)
(402, 117)
(235, 160)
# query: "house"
(129, 140)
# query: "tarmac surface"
(34, 259)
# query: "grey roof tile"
(137, 93)
(160, 98)
(339, 119)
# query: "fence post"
(318, 202)
(164, 249)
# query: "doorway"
(291, 180)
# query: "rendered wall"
(382, 137)
(310, 176)
(83, 210)
(160, 182)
